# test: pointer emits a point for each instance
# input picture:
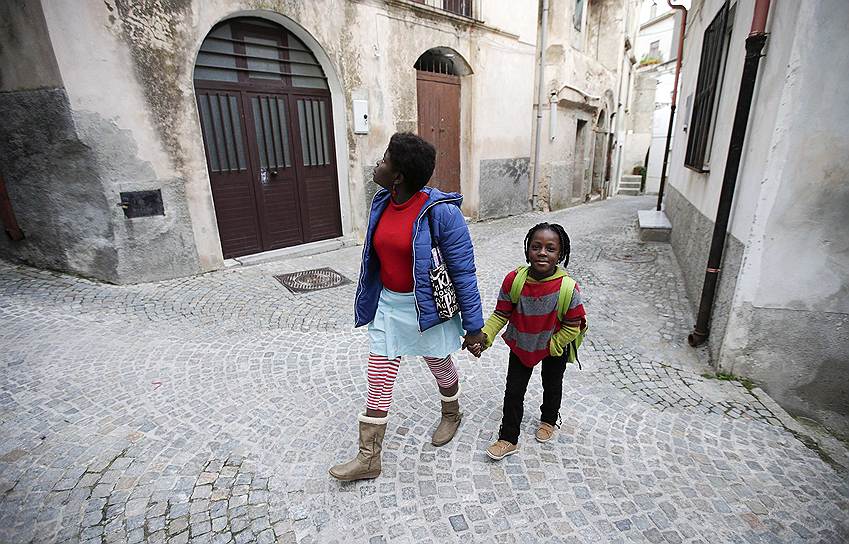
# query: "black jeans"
(518, 376)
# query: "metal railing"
(457, 7)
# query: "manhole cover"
(312, 280)
(630, 256)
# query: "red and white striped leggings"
(382, 372)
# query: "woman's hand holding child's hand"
(475, 344)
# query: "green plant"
(725, 376)
(648, 60)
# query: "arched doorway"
(438, 72)
(266, 120)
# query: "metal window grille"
(233, 57)
(712, 60)
(457, 7)
(435, 63)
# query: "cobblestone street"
(209, 408)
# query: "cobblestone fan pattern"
(208, 409)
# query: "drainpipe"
(754, 45)
(683, 11)
(540, 95)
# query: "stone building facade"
(781, 312)
(156, 139)
(589, 63)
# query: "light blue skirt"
(395, 329)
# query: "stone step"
(628, 192)
(654, 226)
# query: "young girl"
(535, 334)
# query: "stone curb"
(304, 250)
(829, 448)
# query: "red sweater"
(393, 243)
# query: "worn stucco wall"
(786, 321)
(64, 165)
(791, 309)
(566, 163)
(504, 187)
(55, 186)
(26, 55)
(501, 113)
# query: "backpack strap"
(564, 298)
(518, 283)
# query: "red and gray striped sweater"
(532, 322)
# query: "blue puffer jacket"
(451, 231)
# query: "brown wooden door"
(276, 181)
(439, 124)
(230, 172)
(266, 118)
(316, 163)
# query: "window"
(653, 10)
(251, 50)
(711, 65)
(578, 16)
(457, 7)
(654, 49)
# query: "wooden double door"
(439, 124)
(272, 168)
(271, 165)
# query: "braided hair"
(559, 231)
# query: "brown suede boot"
(366, 464)
(450, 421)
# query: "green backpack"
(564, 299)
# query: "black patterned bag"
(444, 294)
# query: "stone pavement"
(208, 409)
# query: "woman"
(395, 299)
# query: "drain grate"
(637, 257)
(312, 280)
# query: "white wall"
(702, 189)
(517, 17)
(798, 256)
(660, 125)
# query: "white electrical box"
(360, 116)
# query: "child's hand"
(478, 347)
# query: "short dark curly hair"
(413, 157)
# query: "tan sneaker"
(545, 432)
(501, 449)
